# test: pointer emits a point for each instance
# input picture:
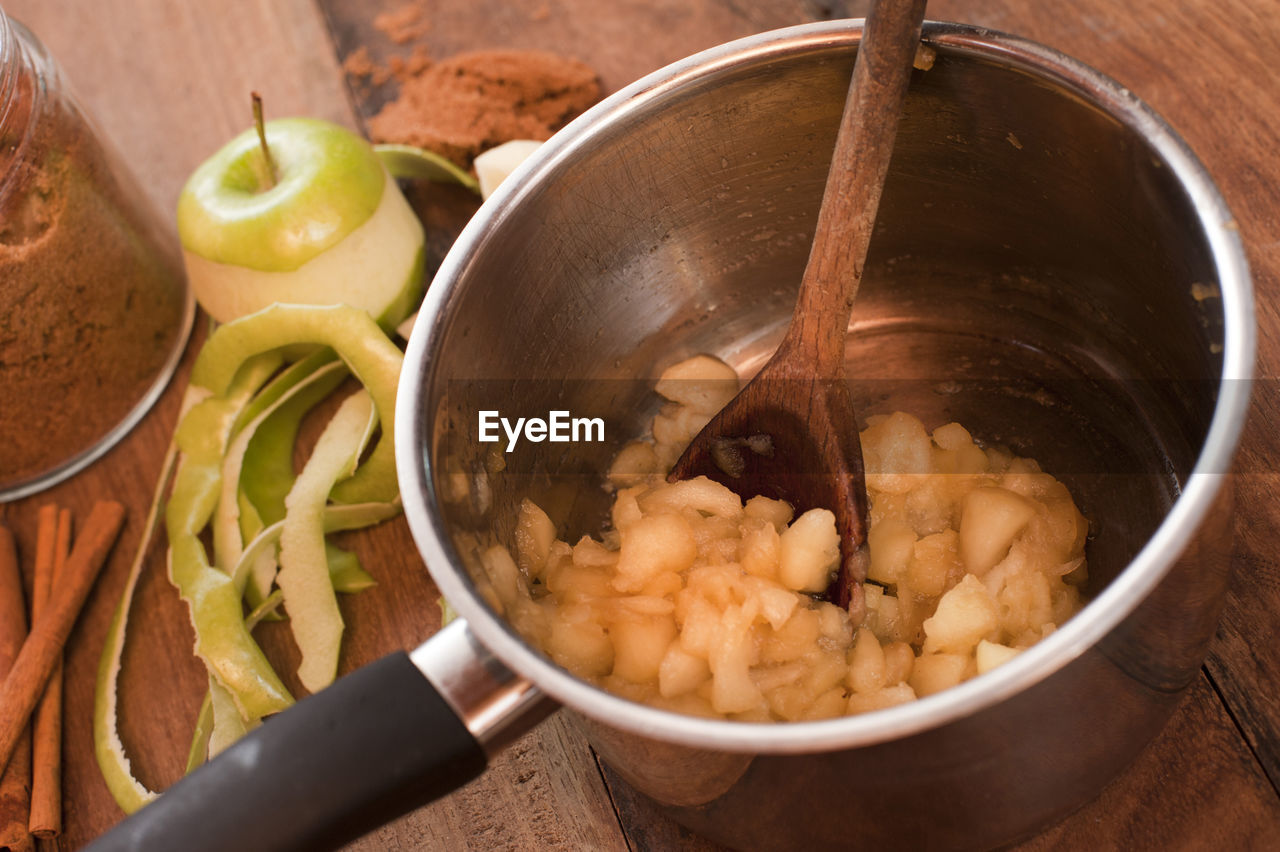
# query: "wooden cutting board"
(169, 83)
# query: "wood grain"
(517, 804)
(169, 82)
(1197, 786)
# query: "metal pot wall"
(1052, 268)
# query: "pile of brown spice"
(91, 296)
(463, 105)
(402, 25)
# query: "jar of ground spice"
(94, 310)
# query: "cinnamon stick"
(24, 684)
(15, 781)
(46, 731)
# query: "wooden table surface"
(169, 82)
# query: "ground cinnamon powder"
(91, 297)
(460, 106)
(402, 25)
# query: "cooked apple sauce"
(697, 602)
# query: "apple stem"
(262, 139)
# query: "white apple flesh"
(496, 164)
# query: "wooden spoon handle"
(858, 166)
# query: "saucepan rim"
(1086, 629)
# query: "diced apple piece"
(896, 450)
(589, 553)
(704, 383)
(654, 544)
(872, 595)
(719, 584)
(690, 704)
(788, 702)
(889, 696)
(760, 550)
(931, 504)
(641, 693)
(720, 551)
(883, 617)
(494, 165)
(582, 647)
(711, 531)
(700, 494)
(998, 459)
(571, 582)
(633, 463)
(912, 611)
(965, 615)
(772, 601)
(642, 606)
(936, 672)
(759, 713)
(770, 677)
(990, 519)
(1063, 529)
(700, 626)
(681, 672)
(810, 552)
(898, 661)
(626, 508)
(663, 585)
(826, 669)
(934, 559)
(1024, 477)
(969, 460)
(890, 543)
(732, 690)
(777, 512)
(991, 654)
(958, 452)
(798, 636)
(834, 624)
(1025, 602)
(952, 436)
(673, 428)
(866, 663)
(639, 646)
(828, 705)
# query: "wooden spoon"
(791, 433)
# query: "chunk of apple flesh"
(990, 519)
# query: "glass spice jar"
(94, 308)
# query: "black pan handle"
(375, 744)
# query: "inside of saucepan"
(1036, 274)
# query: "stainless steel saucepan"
(1052, 267)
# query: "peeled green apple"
(329, 226)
